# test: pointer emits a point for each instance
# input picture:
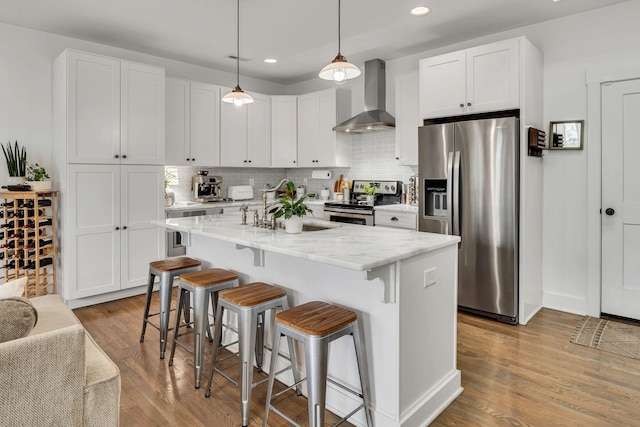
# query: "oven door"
(348, 216)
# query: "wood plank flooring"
(512, 376)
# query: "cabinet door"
(233, 134)
(259, 131)
(92, 258)
(284, 131)
(177, 125)
(142, 198)
(308, 134)
(93, 115)
(407, 118)
(443, 85)
(327, 119)
(205, 124)
(142, 114)
(492, 77)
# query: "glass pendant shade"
(339, 70)
(237, 97)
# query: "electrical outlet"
(251, 182)
(305, 182)
(430, 277)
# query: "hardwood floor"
(512, 376)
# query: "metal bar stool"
(249, 303)
(166, 270)
(316, 324)
(202, 284)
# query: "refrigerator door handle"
(449, 192)
(454, 202)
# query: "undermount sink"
(311, 227)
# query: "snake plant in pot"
(291, 209)
(16, 158)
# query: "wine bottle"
(41, 242)
(42, 263)
(7, 204)
(42, 223)
(14, 263)
(20, 234)
(10, 224)
(41, 203)
(28, 213)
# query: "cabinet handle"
(245, 161)
(461, 105)
(249, 161)
(193, 160)
(116, 156)
(117, 228)
(124, 228)
(394, 218)
(468, 104)
(124, 156)
(294, 161)
(188, 159)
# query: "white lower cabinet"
(109, 238)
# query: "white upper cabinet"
(407, 118)
(318, 144)
(480, 79)
(284, 131)
(245, 133)
(114, 110)
(192, 123)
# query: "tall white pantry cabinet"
(109, 145)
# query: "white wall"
(25, 84)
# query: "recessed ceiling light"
(270, 60)
(420, 11)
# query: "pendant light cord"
(339, 27)
(238, 48)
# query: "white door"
(205, 124)
(259, 132)
(284, 131)
(621, 199)
(142, 198)
(93, 116)
(233, 134)
(493, 77)
(142, 114)
(327, 119)
(443, 85)
(308, 130)
(177, 116)
(93, 241)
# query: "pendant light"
(237, 96)
(339, 70)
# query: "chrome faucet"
(265, 222)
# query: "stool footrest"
(344, 387)
(277, 411)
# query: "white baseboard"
(566, 303)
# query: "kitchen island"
(402, 284)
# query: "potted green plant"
(170, 178)
(16, 158)
(292, 209)
(37, 177)
(370, 192)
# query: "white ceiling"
(301, 34)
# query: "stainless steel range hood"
(374, 116)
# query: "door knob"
(609, 211)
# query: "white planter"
(370, 200)
(293, 225)
(39, 185)
(15, 180)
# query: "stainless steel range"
(356, 210)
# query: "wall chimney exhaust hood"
(374, 116)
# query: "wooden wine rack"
(22, 238)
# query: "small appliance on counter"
(206, 188)
(240, 192)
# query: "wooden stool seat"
(209, 277)
(174, 264)
(316, 318)
(253, 294)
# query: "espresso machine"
(206, 188)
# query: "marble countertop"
(187, 206)
(354, 247)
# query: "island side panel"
(429, 379)
(308, 280)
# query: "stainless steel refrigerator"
(468, 173)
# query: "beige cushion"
(17, 317)
(13, 288)
(53, 312)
